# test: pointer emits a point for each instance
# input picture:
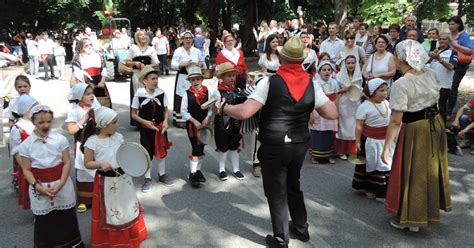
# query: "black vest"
(282, 116)
(152, 113)
(194, 109)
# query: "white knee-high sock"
(148, 173)
(193, 165)
(222, 156)
(161, 167)
(234, 158)
(199, 165)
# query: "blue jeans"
(34, 64)
(463, 122)
(459, 73)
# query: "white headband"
(322, 63)
(77, 92)
(374, 84)
(38, 108)
(104, 116)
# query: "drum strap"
(112, 173)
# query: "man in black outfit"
(286, 101)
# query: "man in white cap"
(283, 131)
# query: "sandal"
(370, 195)
(332, 161)
(81, 208)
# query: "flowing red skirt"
(130, 236)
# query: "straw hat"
(147, 70)
(293, 50)
(225, 68)
(194, 71)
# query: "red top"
(241, 66)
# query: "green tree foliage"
(383, 12)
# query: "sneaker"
(146, 187)
(257, 171)
(273, 242)
(81, 208)
(164, 179)
(398, 226)
(239, 175)
(303, 237)
(223, 176)
(200, 176)
(343, 157)
(194, 180)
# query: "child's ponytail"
(89, 129)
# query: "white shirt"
(105, 150)
(371, 116)
(44, 153)
(32, 46)
(311, 58)
(46, 46)
(180, 55)
(160, 44)
(261, 93)
(184, 107)
(332, 47)
(14, 140)
(59, 51)
(444, 75)
(141, 92)
(135, 51)
(272, 64)
(360, 40)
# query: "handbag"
(462, 57)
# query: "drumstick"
(209, 103)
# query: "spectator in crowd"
(460, 42)
(46, 51)
(162, 47)
(393, 33)
(333, 44)
(381, 64)
(410, 23)
(33, 55)
(370, 44)
(356, 22)
(198, 40)
(263, 32)
(361, 35)
(60, 57)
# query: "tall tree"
(340, 11)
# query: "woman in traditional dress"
(269, 61)
(381, 64)
(139, 55)
(350, 84)
(89, 67)
(236, 57)
(419, 180)
(46, 165)
(182, 57)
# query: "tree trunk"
(226, 14)
(340, 13)
(189, 12)
(460, 8)
(213, 18)
(248, 39)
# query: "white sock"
(148, 173)
(222, 157)
(193, 165)
(234, 158)
(199, 164)
(161, 167)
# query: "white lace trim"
(48, 210)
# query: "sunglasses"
(350, 38)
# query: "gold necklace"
(384, 115)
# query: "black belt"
(183, 71)
(271, 71)
(427, 113)
(112, 173)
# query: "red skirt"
(345, 146)
(130, 236)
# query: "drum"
(133, 159)
(205, 135)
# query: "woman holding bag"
(461, 43)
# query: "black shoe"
(200, 177)
(46, 79)
(223, 176)
(303, 237)
(239, 175)
(193, 179)
(272, 242)
(167, 73)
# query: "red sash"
(392, 201)
(49, 174)
(332, 96)
(94, 71)
(375, 132)
(23, 195)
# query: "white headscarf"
(373, 84)
(343, 76)
(39, 108)
(322, 63)
(412, 52)
(77, 92)
(104, 116)
(24, 104)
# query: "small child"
(196, 119)
(350, 83)
(60, 57)
(46, 165)
(23, 87)
(150, 110)
(19, 132)
(81, 97)
(226, 142)
(373, 117)
(465, 123)
(322, 130)
(113, 190)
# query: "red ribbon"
(200, 94)
(225, 87)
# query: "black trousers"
(281, 166)
(163, 63)
(48, 64)
(444, 95)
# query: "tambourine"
(204, 135)
(133, 158)
(357, 160)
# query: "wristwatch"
(33, 184)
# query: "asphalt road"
(235, 213)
